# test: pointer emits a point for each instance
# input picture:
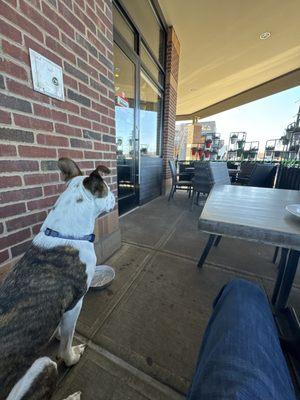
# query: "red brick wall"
(35, 129)
(172, 68)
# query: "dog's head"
(89, 188)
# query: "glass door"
(126, 132)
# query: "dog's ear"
(69, 168)
(95, 184)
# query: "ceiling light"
(264, 35)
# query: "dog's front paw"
(74, 355)
(74, 396)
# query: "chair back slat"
(288, 178)
(173, 170)
(262, 175)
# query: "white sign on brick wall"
(47, 76)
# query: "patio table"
(258, 215)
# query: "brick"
(84, 18)
(5, 118)
(40, 152)
(51, 140)
(101, 146)
(71, 17)
(13, 69)
(14, 103)
(75, 120)
(87, 68)
(54, 189)
(10, 181)
(87, 91)
(7, 150)
(20, 194)
(75, 72)
(36, 229)
(49, 165)
(33, 123)
(37, 179)
(92, 115)
(94, 40)
(14, 238)
(38, 19)
(18, 165)
(10, 32)
(12, 209)
(67, 130)
(70, 153)
(70, 82)
(58, 20)
(81, 143)
(49, 113)
(100, 108)
(79, 98)
(86, 44)
(100, 128)
(97, 65)
(97, 86)
(92, 135)
(76, 49)
(20, 21)
(25, 221)
(2, 84)
(20, 248)
(93, 154)
(110, 139)
(4, 255)
(25, 91)
(15, 52)
(16, 135)
(42, 203)
(83, 165)
(65, 105)
(105, 61)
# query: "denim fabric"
(240, 356)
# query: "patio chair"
(178, 184)
(207, 175)
(245, 172)
(262, 175)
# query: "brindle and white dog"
(45, 289)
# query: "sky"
(262, 119)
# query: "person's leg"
(240, 356)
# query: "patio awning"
(222, 56)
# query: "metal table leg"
(217, 241)
(287, 280)
(281, 268)
(205, 253)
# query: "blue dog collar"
(52, 233)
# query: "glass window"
(150, 64)
(123, 27)
(150, 117)
(145, 18)
(125, 122)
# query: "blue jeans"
(240, 356)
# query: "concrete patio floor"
(144, 331)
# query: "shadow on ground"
(144, 331)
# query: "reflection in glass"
(145, 18)
(150, 118)
(123, 27)
(125, 122)
(150, 64)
